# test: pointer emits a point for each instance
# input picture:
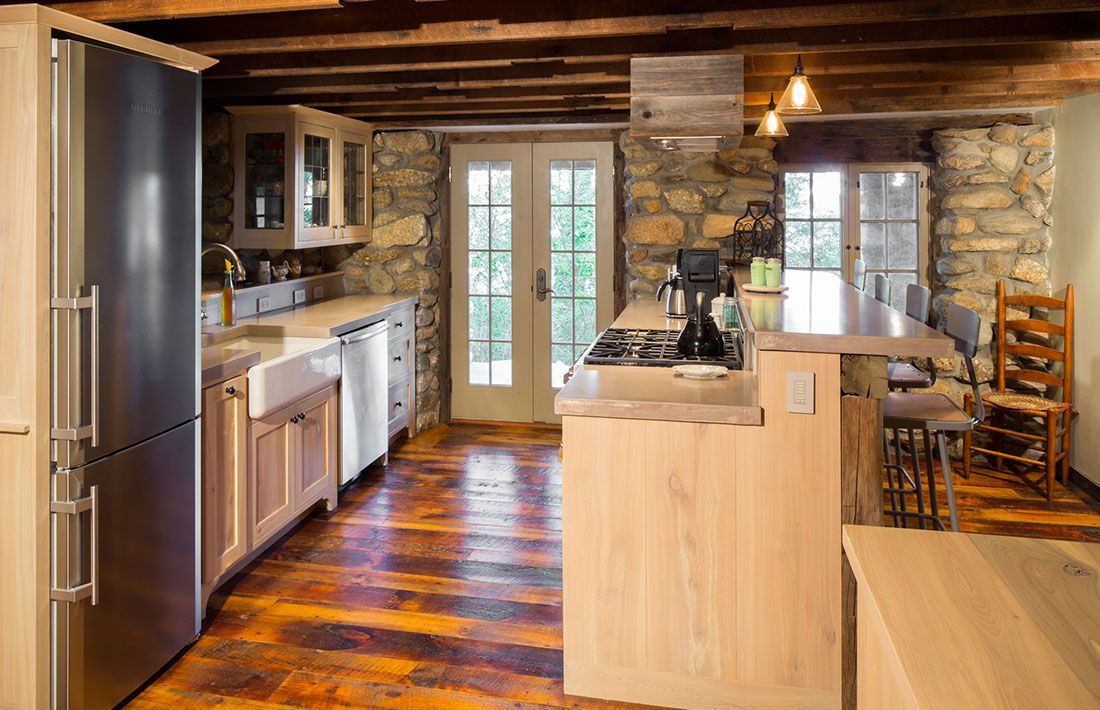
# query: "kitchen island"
(702, 520)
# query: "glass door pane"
(316, 177)
(572, 263)
(489, 220)
(889, 228)
(264, 180)
(813, 210)
(355, 184)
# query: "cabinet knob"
(231, 391)
(397, 358)
(300, 416)
(398, 324)
(397, 405)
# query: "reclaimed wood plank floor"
(437, 584)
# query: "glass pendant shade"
(771, 125)
(798, 98)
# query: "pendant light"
(798, 98)
(771, 125)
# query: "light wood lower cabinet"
(272, 450)
(259, 475)
(316, 456)
(224, 475)
(402, 372)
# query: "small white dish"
(752, 288)
(700, 372)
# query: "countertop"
(818, 313)
(822, 313)
(656, 392)
(981, 621)
(323, 319)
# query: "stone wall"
(992, 190)
(680, 199)
(406, 251)
(405, 255)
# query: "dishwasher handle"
(362, 334)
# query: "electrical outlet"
(318, 293)
(299, 295)
(263, 303)
(800, 392)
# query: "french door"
(835, 214)
(532, 271)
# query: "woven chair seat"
(1007, 399)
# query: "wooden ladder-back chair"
(1036, 347)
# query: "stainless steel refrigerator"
(125, 330)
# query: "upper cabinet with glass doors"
(302, 178)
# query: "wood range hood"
(691, 103)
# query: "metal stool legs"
(948, 482)
(902, 482)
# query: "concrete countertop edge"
(231, 367)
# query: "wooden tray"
(763, 289)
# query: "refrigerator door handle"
(90, 431)
(89, 589)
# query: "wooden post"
(861, 504)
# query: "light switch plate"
(299, 295)
(263, 303)
(318, 293)
(800, 392)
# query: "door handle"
(91, 430)
(540, 285)
(89, 589)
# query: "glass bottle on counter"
(229, 299)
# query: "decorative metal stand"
(758, 233)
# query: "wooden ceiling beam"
(144, 10)
(267, 91)
(512, 75)
(494, 24)
(821, 48)
(399, 115)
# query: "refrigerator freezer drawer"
(136, 548)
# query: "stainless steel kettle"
(675, 304)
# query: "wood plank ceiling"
(456, 62)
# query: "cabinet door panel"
(355, 161)
(225, 532)
(318, 184)
(271, 469)
(263, 182)
(316, 431)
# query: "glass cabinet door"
(356, 185)
(265, 180)
(316, 213)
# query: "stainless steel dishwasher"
(363, 385)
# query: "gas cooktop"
(641, 346)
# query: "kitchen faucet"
(238, 266)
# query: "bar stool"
(903, 374)
(928, 412)
(881, 289)
(859, 274)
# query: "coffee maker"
(700, 270)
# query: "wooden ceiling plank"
(144, 10)
(281, 37)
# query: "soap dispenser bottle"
(229, 299)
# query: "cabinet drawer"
(400, 405)
(400, 361)
(401, 323)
